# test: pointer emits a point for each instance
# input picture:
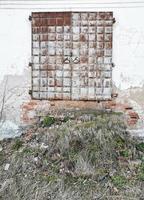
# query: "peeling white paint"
(15, 46)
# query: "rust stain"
(83, 36)
(50, 19)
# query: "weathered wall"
(128, 48)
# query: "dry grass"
(86, 158)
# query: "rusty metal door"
(72, 55)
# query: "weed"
(17, 145)
(140, 146)
(48, 121)
(55, 168)
(27, 151)
(66, 119)
(119, 181)
(119, 142)
(140, 174)
(124, 153)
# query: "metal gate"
(72, 55)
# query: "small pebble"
(7, 166)
(36, 159)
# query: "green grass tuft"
(27, 150)
(119, 181)
(140, 174)
(125, 153)
(48, 121)
(17, 145)
(140, 146)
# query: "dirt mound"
(80, 156)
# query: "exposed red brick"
(133, 115)
(33, 103)
(128, 108)
(132, 122)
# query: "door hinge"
(114, 20)
(30, 64)
(30, 92)
(113, 65)
(30, 18)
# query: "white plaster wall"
(15, 41)
(15, 49)
(128, 47)
(128, 40)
